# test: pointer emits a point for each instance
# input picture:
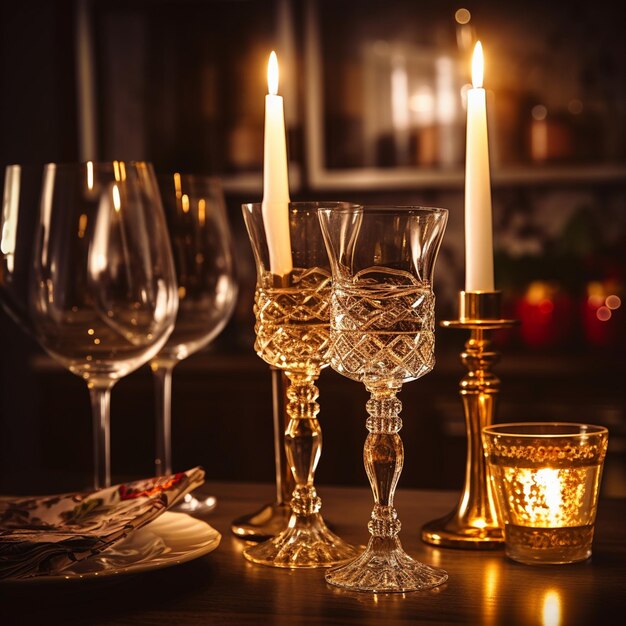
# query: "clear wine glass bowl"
(382, 334)
(103, 291)
(202, 245)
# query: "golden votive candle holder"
(546, 477)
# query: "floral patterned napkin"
(44, 535)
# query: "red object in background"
(546, 314)
(603, 317)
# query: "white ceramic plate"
(170, 539)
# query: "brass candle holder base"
(475, 522)
(272, 518)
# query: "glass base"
(548, 546)
(548, 557)
(452, 532)
(385, 567)
(191, 504)
(306, 542)
(267, 522)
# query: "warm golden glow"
(272, 74)
(177, 185)
(116, 171)
(90, 175)
(478, 66)
(491, 582)
(540, 491)
(462, 16)
(551, 610)
(595, 289)
(185, 203)
(117, 202)
(201, 211)
(82, 225)
(548, 478)
(538, 292)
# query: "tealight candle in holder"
(546, 477)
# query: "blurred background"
(374, 98)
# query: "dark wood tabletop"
(221, 587)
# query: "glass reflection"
(551, 609)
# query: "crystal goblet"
(292, 328)
(382, 334)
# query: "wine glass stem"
(100, 395)
(163, 401)
(383, 456)
(303, 441)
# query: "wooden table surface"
(484, 587)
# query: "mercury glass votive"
(546, 477)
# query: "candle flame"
(272, 74)
(478, 63)
(542, 490)
(549, 479)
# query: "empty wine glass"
(103, 293)
(207, 291)
(382, 334)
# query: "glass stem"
(303, 442)
(284, 477)
(163, 427)
(383, 456)
(100, 395)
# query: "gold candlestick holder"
(475, 522)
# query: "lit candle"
(546, 477)
(478, 227)
(275, 181)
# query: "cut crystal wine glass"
(292, 327)
(207, 292)
(103, 293)
(382, 334)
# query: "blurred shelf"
(252, 182)
(371, 179)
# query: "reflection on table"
(223, 588)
